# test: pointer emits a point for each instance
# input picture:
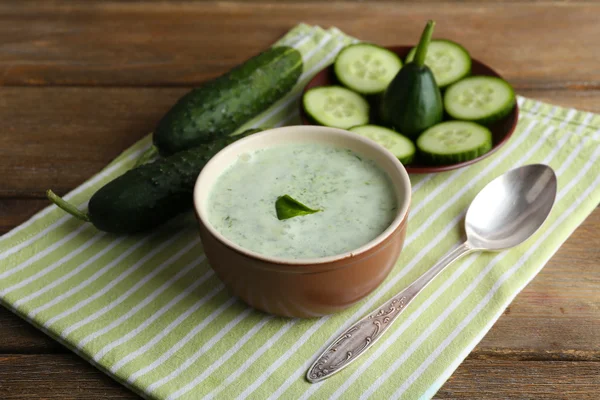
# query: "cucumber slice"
(336, 106)
(481, 99)
(448, 61)
(398, 144)
(366, 68)
(454, 141)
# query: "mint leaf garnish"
(288, 207)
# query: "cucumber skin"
(486, 121)
(151, 194)
(445, 159)
(412, 101)
(222, 105)
(408, 159)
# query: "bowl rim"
(294, 132)
(423, 169)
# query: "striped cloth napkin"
(148, 310)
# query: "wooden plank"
(184, 43)
(585, 100)
(62, 376)
(59, 376)
(18, 336)
(554, 318)
(184, 2)
(498, 379)
(15, 211)
(57, 137)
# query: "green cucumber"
(335, 106)
(449, 61)
(222, 105)
(453, 141)
(481, 99)
(148, 195)
(399, 145)
(413, 102)
(366, 68)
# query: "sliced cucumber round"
(453, 141)
(399, 145)
(366, 68)
(336, 106)
(449, 61)
(482, 99)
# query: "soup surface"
(356, 199)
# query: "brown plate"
(501, 130)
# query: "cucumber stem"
(66, 206)
(424, 44)
(148, 155)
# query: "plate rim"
(514, 115)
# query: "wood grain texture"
(80, 81)
(15, 211)
(476, 379)
(58, 137)
(20, 337)
(546, 44)
(65, 376)
(57, 376)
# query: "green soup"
(356, 197)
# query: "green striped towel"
(148, 310)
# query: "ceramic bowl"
(303, 287)
(501, 130)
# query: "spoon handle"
(355, 340)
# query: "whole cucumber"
(222, 105)
(149, 195)
(413, 102)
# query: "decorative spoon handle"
(355, 340)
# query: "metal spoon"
(504, 214)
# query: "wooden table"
(80, 82)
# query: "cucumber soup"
(355, 199)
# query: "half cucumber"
(449, 61)
(399, 145)
(336, 106)
(453, 141)
(482, 99)
(366, 68)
